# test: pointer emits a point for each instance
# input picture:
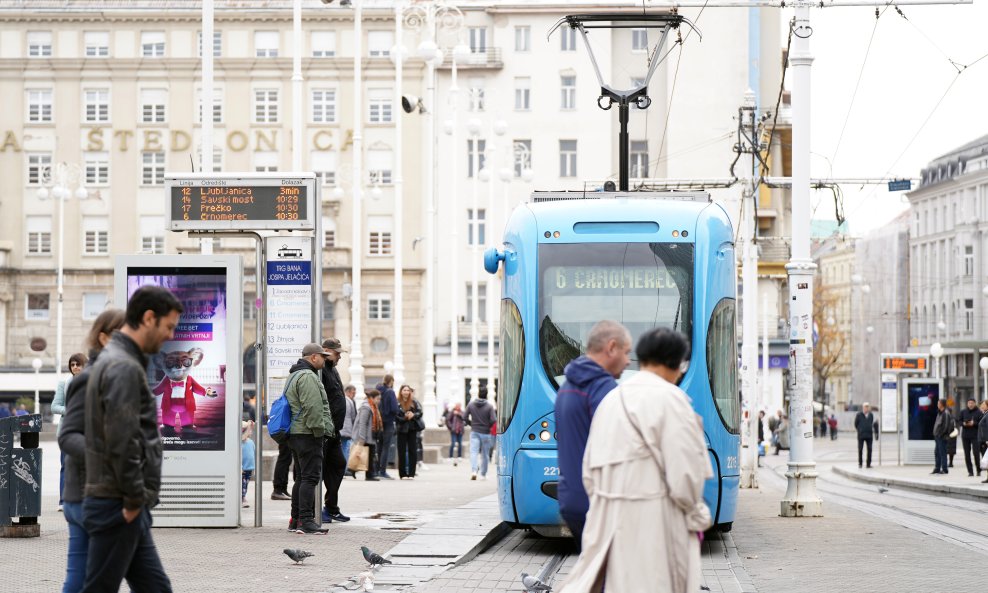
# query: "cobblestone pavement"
(249, 559)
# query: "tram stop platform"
(955, 484)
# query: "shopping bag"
(984, 461)
(358, 458)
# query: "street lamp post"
(356, 252)
(36, 364)
(936, 351)
(983, 363)
(57, 182)
(473, 127)
(498, 128)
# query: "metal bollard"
(20, 476)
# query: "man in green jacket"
(311, 423)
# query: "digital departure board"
(905, 363)
(241, 201)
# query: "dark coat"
(864, 424)
(388, 406)
(983, 429)
(970, 432)
(402, 425)
(334, 393)
(123, 447)
(72, 436)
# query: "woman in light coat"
(644, 469)
(368, 422)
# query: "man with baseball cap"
(333, 461)
(311, 425)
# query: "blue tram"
(570, 259)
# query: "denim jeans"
(61, 476)
(245, 476)
(457, 441)
(119, 550)
(75, 568)
(940, 455)
(480, 447)
(345, 442)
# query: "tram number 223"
(550, 471)
(732, 462)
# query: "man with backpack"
(311, 424)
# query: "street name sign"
(900, 185)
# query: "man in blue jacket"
(389, 413)
(588, 379)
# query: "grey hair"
(605, 331)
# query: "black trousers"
(333, 468)
(120, 550)
(861, 443)
(971, 450)
(307, 453)
(407, 454)
(281, 466)
(384, 450)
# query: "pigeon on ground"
(882, 490)
(533, 584)
(297, 555)
(373, 558)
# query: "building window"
(638, 161)
(217, 43)
(97, 168)
(328, 308)
(475, 95)
(567, 158)
(379, 230)
(523, 93)
(97, 44)
(97, 105)
(379, 103)
(478, 40)
(153, 44)
(379, 43)
(217, 105)
(567, 85)
(476, 226)
(639, 40)
(481, 302)
(378, 306)
(217, 158)
(38, 235)
(568, 39)
(266, 44)
(96, 235)
(380, 162)
(324, 164)
(152, 168)
(93, 303)
(37, 167)
(323, 44)
(328, 232)
(39, 105)
(265, 161)
(266, 106)
(323, 106)
(523, 38)
(152, 234)
(37, 306)
(968, 260)
(476, 150)
(153, 103)
(39, 45)
(522, 156)
(969, 315)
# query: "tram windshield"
(641, 285)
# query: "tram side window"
(722, 364)
(512, 362)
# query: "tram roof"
(632, 204)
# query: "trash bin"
(20, 476)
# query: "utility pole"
(749, 283)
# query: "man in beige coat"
(644, 469)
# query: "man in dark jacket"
(588, 379)
(123, 449)
(333, 462)
(970, 418)
(983, 434)
(942, 428)
(389, 413)
(864, 423)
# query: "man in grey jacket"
(123, 449)
(480, 417)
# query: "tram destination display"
(241, 202)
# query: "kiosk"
(196, 380)
(919, 411)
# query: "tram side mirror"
(492, 260)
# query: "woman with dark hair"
(407, 428)
(72, 441)
(76, 362)
(366, 428)
(644, 469)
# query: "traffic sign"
(900, 185)
(241, 201)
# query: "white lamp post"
(397, 314)
(936, 351)
(356, 253)
(57, 183)
(36, 364)
(983, 363)
(473, 127)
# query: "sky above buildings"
(895, 125)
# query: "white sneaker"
(473, 475)
(483, 477)
(60, 509)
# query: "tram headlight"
(545, 424)
(545, 435)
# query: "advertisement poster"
(921, 407)
(890, 403)
(289, 307)
(188, 375)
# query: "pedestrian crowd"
(972, 427)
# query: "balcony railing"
(489, 57)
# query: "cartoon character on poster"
(178, 389)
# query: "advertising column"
(289, 305)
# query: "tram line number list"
(239, 203)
